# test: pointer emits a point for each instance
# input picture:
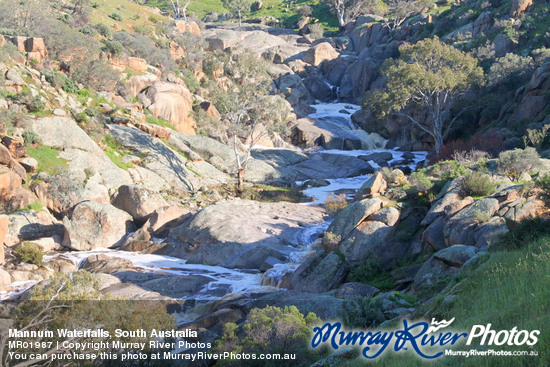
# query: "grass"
(114, 151)
(271, 8)
(273, 194)
(509, 290)
(160, 122)
(133, 14)
(48, 159)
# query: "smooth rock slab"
(241, 233)
(92, 225)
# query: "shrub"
(88, 30)
(270, 330)
(28, 252)
(515, 163)
(511, 70)
(97, 75)
(522, 234)
(362, 313)
(304, 10)
(420, 182)
(536, 136)
(491, 142)
(35, 104)
(116, 16)
(544, 184)
(470, 158)
(476, 183)
(142, 46)
(316, 31)
(30, 137)
(335, 203)
(330, 241)
(104, 30)
(113, 47)
(366, 271)
(75, 302)
(59, 80)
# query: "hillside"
(249, 182)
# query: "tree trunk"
(240, 180)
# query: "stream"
(225, 282)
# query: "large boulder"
(460, 228)
(92, 225)
(28, 225)
(174, 103)
(438, 271)
(240, 233)
(318, 274)
(322, 52)
(357, 79)
(138, 201)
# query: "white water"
(230, 281)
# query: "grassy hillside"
(133, 15)
(271, 8)
(510, 289)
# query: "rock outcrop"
(172, 102)
(92, 225)
(240, 233)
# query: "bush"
(270, 330)
(75, 302)
(97, 75)
(330, 241)
(28, 252)
(142, 46)
(510, 71)
(104, 30)
(113, 47)
(30, 137)
(59, 80)
(116, 16)
(35, 104)
(544, 184)
(316, 31)
(362, 313)
(304, 10)
(335, 203)
(366, 271)
(522, 234)
(88, 30)
(515, 163)
(476, 183)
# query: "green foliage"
(160, 122)
(362, 313)
(28, 252)
(104, 30)
(116, 16)
(96, 74)
(142, 46)
(509, 289)
(521, 234)
(270, 330)
(30, 138)
(113, 47)
(35, 206)
(430, 76)
(543, 183)
(75, 302)
(48, 159)
(371, 272)
(536, 137)
(335, 203)
(515, 163)
(59, 80)
(115, 151)
(331, 241)
(88, 30)
(510, 71)
(476, 183)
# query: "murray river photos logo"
(427, 340)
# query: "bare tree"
(180, 10)
(400, 10)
